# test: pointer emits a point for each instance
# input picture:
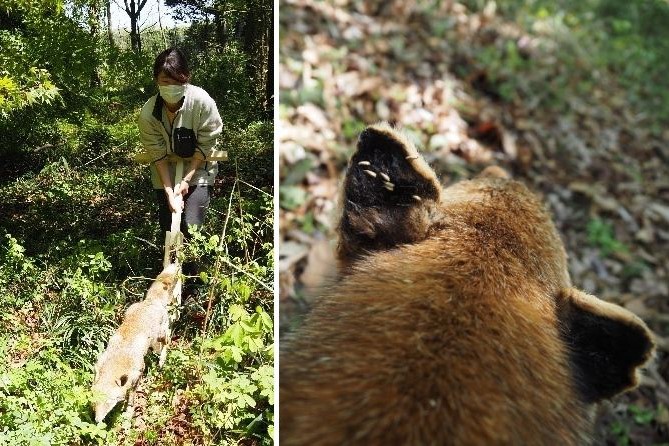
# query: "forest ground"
(81, 242)
(473, 88)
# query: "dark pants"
(196, 204)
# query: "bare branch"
(143, 27)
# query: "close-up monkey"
(453, 320)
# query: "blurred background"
(571, 97)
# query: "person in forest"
(183, 120)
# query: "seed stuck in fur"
(389, 186)
(370, 173)
(364, 163)
(416, 197)
(384, 176)
(412, 157)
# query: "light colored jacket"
(199, 113)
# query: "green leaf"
(255, 344)
(237, 334)
(267, 321)
(245, 400)
(204, 277)
(249, 327)
(292, 197)
(641, 415)
(236, 354)
(238, 312)
(297, 172)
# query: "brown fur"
(162, 289)
(454, 321)
(145, 326)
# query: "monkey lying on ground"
(454, 321)
(145, 325)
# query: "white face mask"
(172, 93)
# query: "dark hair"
(172, 62)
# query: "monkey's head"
(113, 380)
(168, 277)
(392, 198)
(163, 287)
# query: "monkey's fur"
(454, 321)
(145, 325)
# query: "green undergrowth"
(79, 242)
(623, 425)
(601, 235)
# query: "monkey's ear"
(122, 380)
(388, 193)
(606, 344)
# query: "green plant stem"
(256, 188)
(217, 265)
(251, 276)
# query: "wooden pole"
(174, 237)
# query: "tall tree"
(94, 7)
(133, 8)
(160, 24)
(257, 36)
(110, 33)
(269, 84)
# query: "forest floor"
(473, 89)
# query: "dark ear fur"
(389, 191)
(122, 380)
(606, 344)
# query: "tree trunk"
(205, 37)
(160, 24)
(221, 31)
(134, 34)
(110, 33)
(251, 32)
(269, 84)
(94, 25)
(133, 9)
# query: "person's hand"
(181, 188)
(176, 202)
